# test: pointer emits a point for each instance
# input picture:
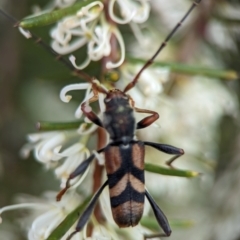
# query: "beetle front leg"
(161, 218)
(87, 110)
(145, 122)
(88, 211)
(78, 171)
(178, 152)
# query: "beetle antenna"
(8, 16)
(162, 45)
(44, 45)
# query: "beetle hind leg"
(160, 217)
(88, 211)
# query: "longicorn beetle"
(124, 156)
(124, 161)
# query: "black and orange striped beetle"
(124, 156)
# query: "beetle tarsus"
(62, 192)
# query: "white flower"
(89, 94)
(64, 3)
(76, 31)
(72, 156)
(79, 25)
(196, 110)
(89, 27)
(50, 147)
(135, 11)
(149, 87)
(43, 145)
(46, 148)
(46, 214)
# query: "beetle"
(124, 161)
(124, 155)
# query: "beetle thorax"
(118, 118)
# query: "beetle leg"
(145, 122)
(161, 218)
(87, 110)
(178, 152)
(79, 170)
(88, 211)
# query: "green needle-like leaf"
(192, 70)
(170, 171)
(67, 223)
(52, 17)
(52, 126)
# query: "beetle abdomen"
(125, 169)
(127, 207)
